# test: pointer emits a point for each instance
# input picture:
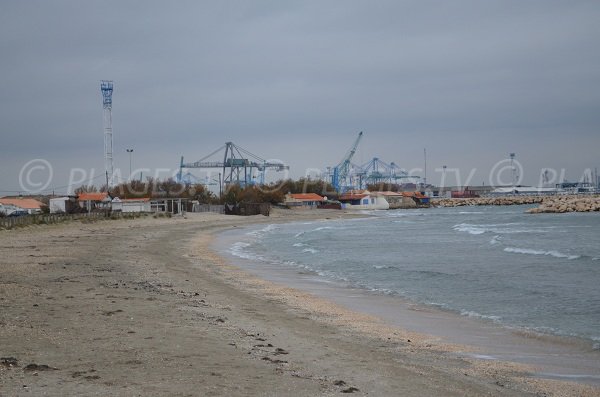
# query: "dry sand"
(145, 307)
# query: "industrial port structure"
(347, 176)
(238, 166)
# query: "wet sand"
(146, 307)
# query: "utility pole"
(444, 178)
(425, 172)
(130, 151)
(514, 170)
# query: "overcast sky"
(471, 81)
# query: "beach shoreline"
(540, 355)
(148, 307)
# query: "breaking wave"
(261, 232)
(502, 228)
(528, 251)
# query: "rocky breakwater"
(562, 204)
(504, 200)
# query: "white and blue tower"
(106, 86)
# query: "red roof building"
(92, 196)
(306, 196)
(311, 200)
(30, 205)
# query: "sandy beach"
(146, 307)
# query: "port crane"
(238, 166)
(377, 171)
(342, 170)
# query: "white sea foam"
(529, 251)
(379, 267)
(503, 228)
(327, 228)
(311, 250)
(263, 231)
(469, 313)
(483, 356)
(495, 240)
(299, 245)
(471, 229)
(237, 249)
(393, 214)
(470, 212)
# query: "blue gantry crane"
(377, 171)
(339, 177)
(239, 166)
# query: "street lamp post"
(444, 179)
(130, 151)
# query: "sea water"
(534, 272)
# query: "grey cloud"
(470, 80)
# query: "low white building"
(27, 204)
(526, 190)
(131, 205)
(58, 205)
(363, 200)
(8, 209)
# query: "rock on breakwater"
(504, 200)
(562, 204)
(547, 204)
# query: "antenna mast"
(106, 86)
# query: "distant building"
(575, 187)
(31, 206)
(10, 210)
(131, 205)
(523, 190)
(363, 200)
(94, 200)
(303, 200)
(63, 205)
(404, 200)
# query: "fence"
(46, 219)
(219, 209)
(235, 209)
(248, 209)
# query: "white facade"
(524, 190)
(131, 205)
(8, 209)
(58, 205)
(369, 202)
